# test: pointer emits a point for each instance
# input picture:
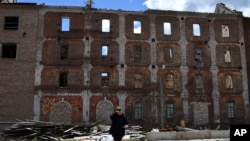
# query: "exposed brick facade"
(17, 75)
(156, 78)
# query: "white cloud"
(176, 5)
(137, 27)
(105, 25)
(246, 12)
(198, 5)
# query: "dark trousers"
(117, 138)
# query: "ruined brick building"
(75, 64)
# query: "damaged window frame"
(227, 56)
(104, 79)
(169, 79)
(138, 80)
(11, 22)
(225, 32)
(229, 82)
(198, 54)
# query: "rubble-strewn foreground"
(50, 131)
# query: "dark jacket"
(118, 123)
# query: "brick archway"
(103, 110)
(61, 113)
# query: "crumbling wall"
(112, 59)
(162, 49)
(75, 49)
(53, 25)
(145, 24)
(96, 25)
(49, 103)
(175, 28)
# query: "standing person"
(119, 122)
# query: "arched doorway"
(103, 110)
(61, 113)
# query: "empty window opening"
(230, 109)
(170, 110)
(63, 79)
(11, 23)
(169, 81)
(225, 30)
(138, 110)
(229, 82)
(138, 80)
(168, 54)
(65, 24)
(9, 50)
(167, 28)
(105, 25)
(227, 56)
(104, 51)
(196, 30)
(104, 79)
(64, 52)
(137, 27)
(198, 55)
(137, 53)
(198, 82)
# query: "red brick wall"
(246, 24)
(207, 82)
(51, 52)
(146, 55)
(160, 53)
(204, 29)
(237, 82)
(239, 112)
(49, 102)
(235, 55)
(130, 77)
(96, 25)
(52, 25)
(95, 75)
(94, 100)
(175, 28)
(205, 61)
(113, 53)
(50, 76)
(145, 24)
(233, 30)
(177, 81)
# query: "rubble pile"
(50, 131)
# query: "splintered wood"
(50, 131)
(40, 130)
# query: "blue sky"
(140, 5)
(135, 5)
